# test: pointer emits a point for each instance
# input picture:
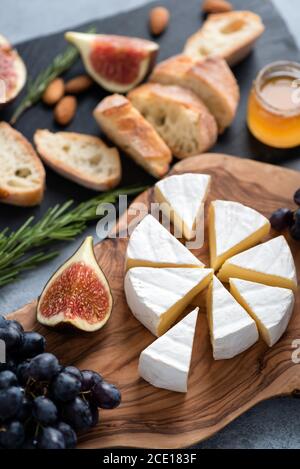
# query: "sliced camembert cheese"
(233, 227)
(151, 245)
(166, 362)
(270, 263)
(182, 199)
(232, 330)
(157, 297)
(270, 307)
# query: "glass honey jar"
(274, 105)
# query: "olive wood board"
(219, 391)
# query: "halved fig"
(117, 63)
(77, 294)
(12, 72)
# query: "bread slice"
(178, 115)
(211, 80)
(128, 129)
(229, 35)
(22, 175)
(84, 159)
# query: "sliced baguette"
(84, 159)
(178, 115)
(229, 35)
(211, 80)
(128, 129)
(22, 175)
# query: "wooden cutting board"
(219, 391)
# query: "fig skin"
(86, 257)
(19, 68)
(85, 43)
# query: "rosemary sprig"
(19, 250)
(36, 87)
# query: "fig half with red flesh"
(117, 63)
(12, 72)
(77, 294)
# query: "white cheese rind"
(166, 362)
(151, 243)
(150, 292)
(272, 258)
(272, 307)
(234, 223)
(184, 196)
(232, 329)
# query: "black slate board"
(276, 43)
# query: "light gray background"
(21, 20)
(272, 424)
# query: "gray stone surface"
(272, 424)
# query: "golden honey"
(274, 105)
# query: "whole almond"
(54, 92)
(65, 109)
(216, 6)
(158, 20)
(78, 84)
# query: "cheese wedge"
(157, 297)
(233, 227)
(166, 362)
(270, 263)
(151, 245)
(270, 307)
(232, 330)
(182, 198)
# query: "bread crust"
(243, 28)
(21, 196)
(181, 111)
(77, 174)
(210, 79)
(128, 129)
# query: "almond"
(65, 109)
(54, 92)
(216, 6)
(78, 84)
(158, 20)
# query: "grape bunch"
(284, 218)
(43, 404)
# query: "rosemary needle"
(20, 250)
(36, 87)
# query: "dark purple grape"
(25, 411)
(72, 370)
(297, 197)
(30, 443)
(10, 364)
(105, 395)
(77, 414)
(95, 414)
(65, 387)
(295, 228)
(281, 219)
(44, 410)
(44, 367)
(89, 379)
(10, 402)
(12, 435)
(3, 322)
(23, 372)
(7, 379)
(16, 325)
(68, 433)
(12, 337)
(51, 438)
(33, 344)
